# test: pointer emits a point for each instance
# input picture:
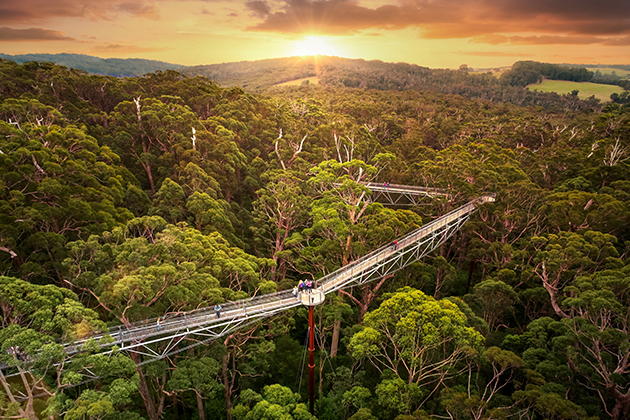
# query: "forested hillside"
(119, 67)
(261, 76)
(130, 199)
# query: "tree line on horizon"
(126, 199)
(260, 76)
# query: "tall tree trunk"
(29, 410)
(227, 389)
(200, 408)
(9, 394)
(345, 259)
(335, 338)
(147, 168)
(369, 294)
(143, 388)
(621, 410)
(160, 409)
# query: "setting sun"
(313, 45)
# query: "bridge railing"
(405, 188)
(404, 241)
(190, 319)
(272, 301)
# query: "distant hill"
(119, 67)
(270, 76)
(261, 74)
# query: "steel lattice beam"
(385, 260)
(143, 337)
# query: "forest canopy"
(129, 199)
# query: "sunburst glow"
(313, 45)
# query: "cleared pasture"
(610, 70)
(311, 80)
(585, 89)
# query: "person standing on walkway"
(159, 326)
(217, 310)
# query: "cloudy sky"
(432, 33)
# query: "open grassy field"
(609, 70)
(586, 90)
(312, 80)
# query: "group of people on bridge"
(303, 286)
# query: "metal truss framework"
(158, 340)
(142, 337)
(402, 195)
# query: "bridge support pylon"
(311, 298)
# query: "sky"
(432, 33)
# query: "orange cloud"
(561, 21)
(26, 11)
(493, 54)
(496, 39)
(125, 48)
(32, 34)
(618, 42)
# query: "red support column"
(311, 359)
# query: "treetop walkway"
(207, 322)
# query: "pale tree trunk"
(143, 388)
(337, 325)
(29, 409)
(28, 413)
(200, 407)
(147, 168)
(621, 410)
(335, 338)
(369, 294)
(551, 285)
(439, 282)
(277, 270)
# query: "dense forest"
(126, 199)
(119, 67)
(261, 77)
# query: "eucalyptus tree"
(488, 375)
(196, 376)
(152, 269)
(59, 185)
(345, 223)
(279, 211)
(418, 340)
(558, 259)
(153, 133)
(598, 336)
(35, 319)
(275, 402)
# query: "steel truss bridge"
(402, 195)
(156, 341)
(204, 324)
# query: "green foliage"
(143, 197)
(415, 337)
(276, 402)
(153, 268)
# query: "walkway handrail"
(277, 301)
(376, 186)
